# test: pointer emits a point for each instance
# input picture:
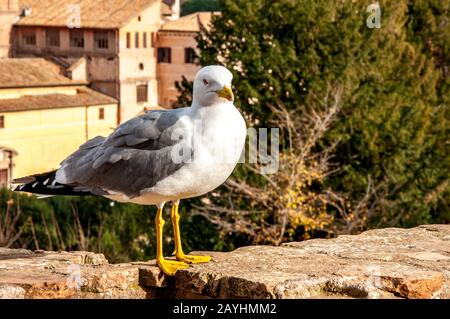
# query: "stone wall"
(383, 263)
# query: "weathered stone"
(12, 292)
(50, 290)
(94, 259)
(40, 274)
(151, 276)
(383, 263)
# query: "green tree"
(392, 132)
(185, 88)
(192, 6)
(429, 28)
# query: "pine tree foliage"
(191, 6)
(393, 129)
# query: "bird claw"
(170, 267)
(194, 259)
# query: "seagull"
(158, 157)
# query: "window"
(52, 37)
(136, 40)
(189, 55)
(153, 39)
(101, 113)
(29, 37)
(164, 55)
(141, 66)
(144, 40)
(142, 93)
(128, 40)
(2, 121)
(77, 38)
(101, 39)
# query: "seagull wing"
(134, 157)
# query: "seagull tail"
(45, 185)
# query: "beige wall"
(9, 10)
(64, 47)
(43, 138)
(130, 59)
(78, 71)
(102, 64)
(116, 71)
(103, 74)
(168, 73)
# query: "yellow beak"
(226, 93)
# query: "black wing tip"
(43, 184)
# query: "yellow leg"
(169, 267)
(178, 249)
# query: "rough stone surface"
(382, 263)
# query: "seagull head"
(212, 85)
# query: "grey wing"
(135, 156)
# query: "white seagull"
(160, 156)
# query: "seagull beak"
(226, 93)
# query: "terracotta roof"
(84, 97)
(31, 72)
(190, 22)
(103, 14)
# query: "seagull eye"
(205, 82)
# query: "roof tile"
(26, 72)
(84, 97)
(191, 22)
(106, 14)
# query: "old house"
(134, 49)
(45, 116)
(9, 13)
(70, 70)
(177, 53)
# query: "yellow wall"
(43, 138)
(130, 58)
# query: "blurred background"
(360, 92)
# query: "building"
(71, 70)
(7, 156)
(9, 14)
(134, 50)
(45, 116)
(177, 53)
